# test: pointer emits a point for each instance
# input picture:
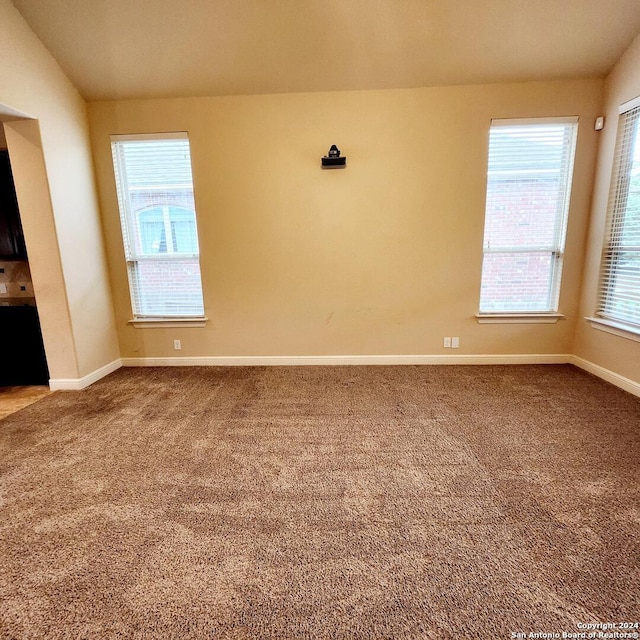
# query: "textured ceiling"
(113, 49)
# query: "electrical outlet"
(177, 345)
(447, 343)
(3, 287)
(455, 342)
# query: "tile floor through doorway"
(14, 398)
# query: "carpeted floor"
(321, 502)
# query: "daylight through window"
(619, 298)
(157, 213)
(528, 190)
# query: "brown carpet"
(321, 502)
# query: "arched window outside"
(167, 229)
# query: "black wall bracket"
(333, 160)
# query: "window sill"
(518, 318)
(616, 328)
(162, 323)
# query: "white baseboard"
(610, 376)
(247, 361)
(76, 384)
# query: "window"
(528, 190)
(157, 213)
(619, 296)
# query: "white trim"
(616, 328)
(160, 323)
(630, 104)
(76, 384)
(616, 379)
(518, 318)
(249, 361)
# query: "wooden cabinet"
(11, 239)
(22, 358)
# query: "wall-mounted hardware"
(599, 123)
(333, 160)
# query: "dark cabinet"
(22, 357)
(11, 238)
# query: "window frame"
(555, 249)
(132, 236)
(616, 222)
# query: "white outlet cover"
(3, 287)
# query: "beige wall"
(620, 355)
(51, 161)
(383, 257)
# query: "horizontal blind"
(528, 188)
(619, 294)
(157, 214)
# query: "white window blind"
(157, 214)
(619, 295)
(528, 189)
